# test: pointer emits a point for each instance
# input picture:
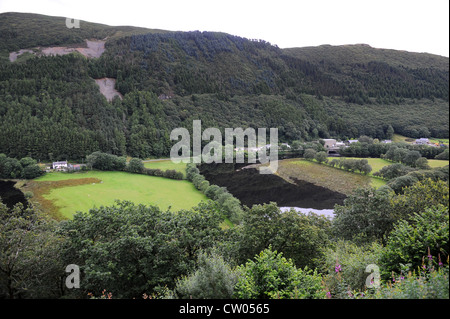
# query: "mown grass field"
(69, 193)
(166, 165)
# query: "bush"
(309, 154)
(214, 191)
(191, 171)
(32, 171)
(443, 155)
(271, 276)
(213, 279)
(135, 166)
(170, 173)
(345, 267)
(410, 240)
(418, 284)
(106, 162)
(393, 171)
(321, 157)
(366, 215)
(399, 183)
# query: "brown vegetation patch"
(41, 188)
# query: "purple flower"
(337, 268)
(329, 295)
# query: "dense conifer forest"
(51, 108)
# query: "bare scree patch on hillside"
(93, 49)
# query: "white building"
(329, 142)
(60, 166)
(422, 141)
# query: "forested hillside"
(51, 107)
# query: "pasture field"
(337, 179)
(397, 138)
(166, 165)
(434, 163)
(326, 176)
(66, 194)
(378, 163)
(375, 163)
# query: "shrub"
(271, 276)
(135, 166)
(309, 154)
(32, 171)
(321, 157)
(214, 191)
(393, 171)
(170, 173)
(366, 214)
(106, 162)
(399, 183)
(213, 279)
(352, 260)
(443, 155)
(410, 240)
(432, 283)
(191, 171)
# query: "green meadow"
(166, 165)
(110, 186)
(434, 163)
(378, 163)
(326, 176)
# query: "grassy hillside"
(27, 30)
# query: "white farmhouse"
(60, 166)
(422, 141)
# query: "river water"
(251, 188)
(11, 195)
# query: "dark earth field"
(11, 195)
(251, 188)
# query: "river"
(251, 187)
